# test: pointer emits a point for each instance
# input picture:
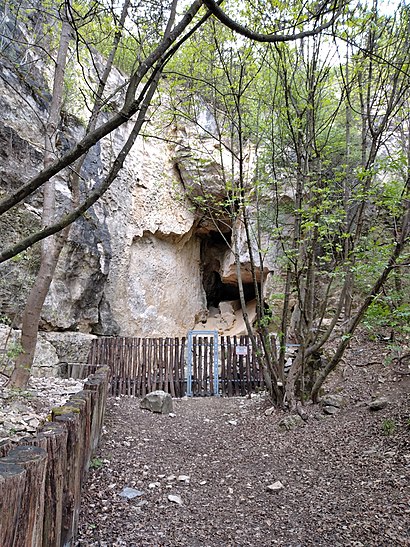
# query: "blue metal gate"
(203, 365)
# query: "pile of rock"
(22, 411)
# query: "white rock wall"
(154, 284)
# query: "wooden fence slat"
(236, 368)
(160, 358)
(130, 371)
(140, 365)
(208, 366)
(148, 366)
(241, 379)
(229, 365)
(196, 350)
(175, 366)
(170, 377)
(222, 361)
(143, 367)
(248, 367)
(182, 366)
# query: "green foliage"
(5, 320)
(377, 315)
(96, 463)
(14, 349)
(388, 427)
(380, 315)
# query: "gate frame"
(215, 335)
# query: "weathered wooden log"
(12, 483)
(69, 415)
(29, 526)
(98, 383)
(53, 439)
(82, 401)
(92, 386)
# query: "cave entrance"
(214, 249)
(217, 291)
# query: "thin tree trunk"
(50, 248)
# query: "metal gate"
(203, 366)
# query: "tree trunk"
(51, 247)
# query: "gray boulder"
(157, 401)
(336, 401)
(378, 404)
(291, 422)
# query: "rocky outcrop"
(57, 353)
(145, 260)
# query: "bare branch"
(274, 37)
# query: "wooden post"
(140, 368)
(175, 368)
(12, 483)
(96, 384)
(70, 417)
(29, 525)
(53, 439)
(82, 401)
(208, 370)
(181, 366)
(229, 365)
(222, 358)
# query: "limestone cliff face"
(141, 262)
(154, 284)
(132, 263)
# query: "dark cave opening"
(217, 291)
(213, 249)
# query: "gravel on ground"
(221, 472)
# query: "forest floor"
(342, 479)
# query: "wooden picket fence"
(141, 365)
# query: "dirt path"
(346, 482)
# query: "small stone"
(291, 422)
(332, 400)
(378, 404)
(275, 487)
(183, 478)
(171, 478)
(153, 485)
(34, 422)
(175, 499)
(202, 483)
(269, 411)
(172, 415)
(130, 493)
(330, 410)
(232, 422)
